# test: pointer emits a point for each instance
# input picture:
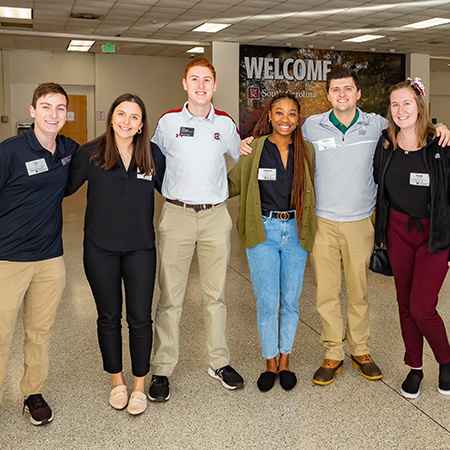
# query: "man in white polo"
(194, 140)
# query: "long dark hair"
(263, 127)
(424, 127)
(106, 154)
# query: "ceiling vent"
(16, 25)
(86, 16)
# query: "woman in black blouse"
(119, 240)
(413, 219)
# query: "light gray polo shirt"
(343, 176)
(195, 149)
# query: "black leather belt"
(196, 208)
(282, 215)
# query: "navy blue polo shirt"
(32, 183)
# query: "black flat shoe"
(266, 380)
(287, 379)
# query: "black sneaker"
(229, 377)
(159, 389)
(444, 379)
(40, 412)
(411, 385)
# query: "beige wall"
(440, 97)
(101, 77)
(156, 80)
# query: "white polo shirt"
(195, 149)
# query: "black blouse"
(407, 193)
(120, 203)
(275, 190)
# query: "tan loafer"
(118, 398)
(138, 403)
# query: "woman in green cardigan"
(277, 225)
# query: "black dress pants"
(105, 271)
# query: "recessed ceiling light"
(16, 13)
(364, 38)
(209, 27)
(427, 23)
(196, 50)
(79, 46)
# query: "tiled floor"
(351, 413)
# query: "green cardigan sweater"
(243, 180)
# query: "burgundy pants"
(418, 276)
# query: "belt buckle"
(283, 216)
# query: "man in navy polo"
(33, 172)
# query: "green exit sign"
(108, 48)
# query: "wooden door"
(76, 125)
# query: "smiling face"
(404, 108)
(200, 87)
(284, 117)
(126, 120)
(50, 114)
(343, 95)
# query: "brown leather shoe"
(327, 371)
(367, 367)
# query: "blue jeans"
(276, 268)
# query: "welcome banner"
(266, 71)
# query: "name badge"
(142, 176)
(36, 166)
(326, 144)
(187, 132)
(267, 174)
(419, 179)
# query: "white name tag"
(267, 174)
(36, 166)
(142, 176)
(419, 179)
(326, 144)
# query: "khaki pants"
(181, 231)
(350, 243)
(39, 285)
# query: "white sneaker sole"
(409, 395)
(35, 422)
(157, 399)
(441, 391)
(212, 374)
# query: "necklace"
(407, 148)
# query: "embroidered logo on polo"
(66, 160)
(362, 130)
(217, 136)
(36, 166)
(186, 132)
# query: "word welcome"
(289, 69)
